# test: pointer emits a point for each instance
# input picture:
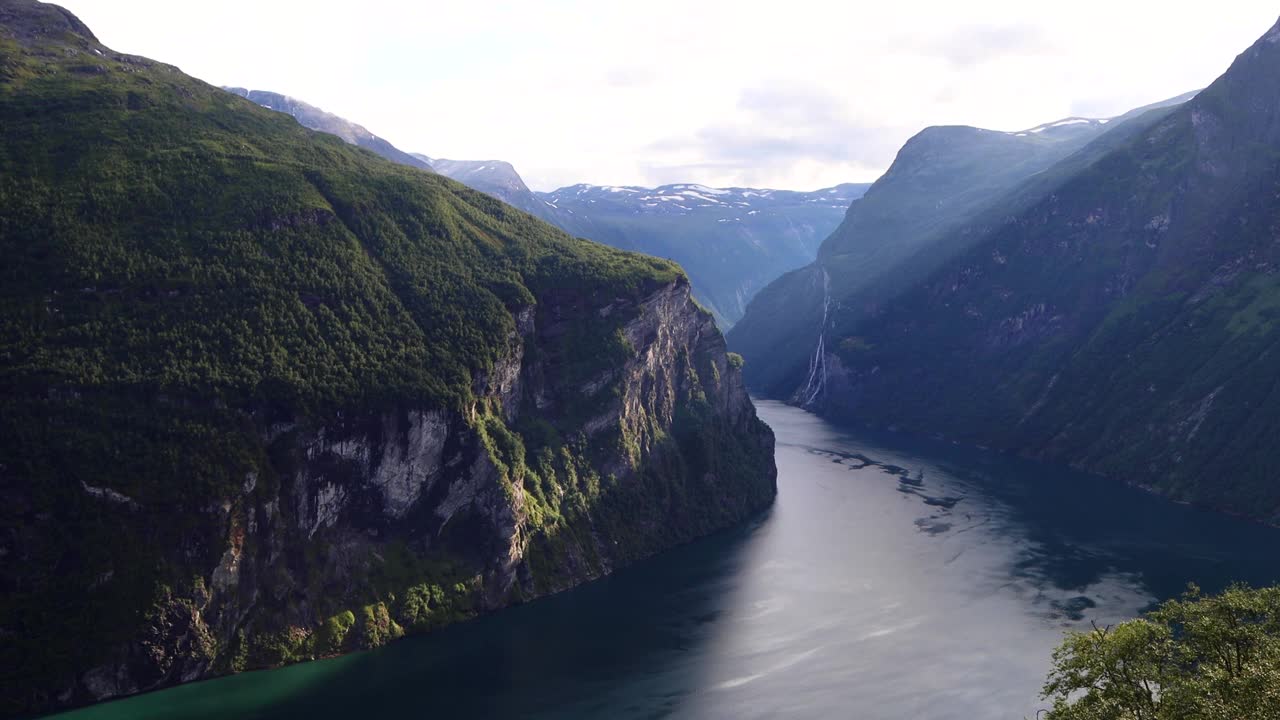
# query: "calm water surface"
(894, 578)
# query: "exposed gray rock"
(357, 491)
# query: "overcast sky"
(793, 94)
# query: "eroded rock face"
(412, 518)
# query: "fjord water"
(893, 578)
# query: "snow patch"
(701, 189)
(698, 196)
(1062, 123)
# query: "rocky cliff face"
(946, 188)
(1123, 321)
(266, 397)
(406, 520)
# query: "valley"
(295, 421)
(731, 241)
(894, 577)
(1107, 312)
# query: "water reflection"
(893, 578)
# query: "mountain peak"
(1256, 52)
(1244, 102)
(495, 177)
(29, 20)
(1273, 35)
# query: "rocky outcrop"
(365, 527)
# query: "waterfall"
(817, 381)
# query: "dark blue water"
(894, 578)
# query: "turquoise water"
(894, 578)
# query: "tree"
(1196, 658)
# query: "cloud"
(804, 94)
(629, 77)
(774, 132)
(969, 45)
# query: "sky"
(798, 94)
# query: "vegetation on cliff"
(193, 285)
(1123, 321)
(941, 178)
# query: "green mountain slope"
(731, 241)
(1123, 322)
(942, 179)
(265, 396)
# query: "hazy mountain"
(313, 117)
(941, 178)
(731, 241)
(267, 397)
(1122, 313)
(493, 177)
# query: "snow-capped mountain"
(684, 199)
(1076, 126)
(1064, 126)
(493, 177)
(731, 241)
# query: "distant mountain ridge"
(731, 241)
(312, 117)
(682, 198)
(1118, 310)
(493, 177)
(942, 178)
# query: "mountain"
(941, 179)
(1120, 316)
(493, 177)
(731, 241)
(267, 397)
(313, 117)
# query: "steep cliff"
(946, 186)
(1124, 321)
(266, 397)
(358, 527)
